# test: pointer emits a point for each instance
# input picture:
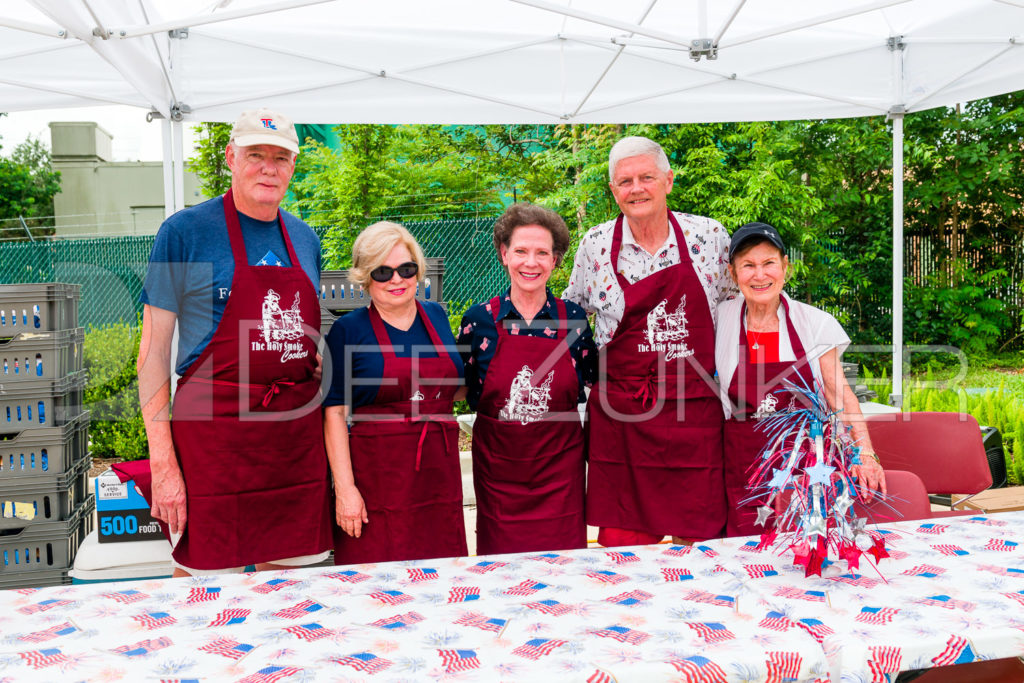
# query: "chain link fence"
(111, 270)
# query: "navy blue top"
(478, 325)
(191, 267)
(355, 330)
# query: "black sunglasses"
(405, 270)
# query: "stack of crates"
(339, 296)
(46, 508)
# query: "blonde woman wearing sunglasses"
(392, 440)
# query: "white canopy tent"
(514, 61)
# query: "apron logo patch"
(667, 331)
(281, 328)
(767, 407)
(527, 403)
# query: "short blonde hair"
(373, 245)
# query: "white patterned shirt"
(593, 284)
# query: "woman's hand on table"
(870, 476)
(350, 510)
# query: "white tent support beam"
(896, 397)
(178, 141)
(98, 99)
(30, 27)
(39, 51)
(728, 22)
(1012, 3)
(959, 76)
(618, 52)
(202, 20)
(816, 21)
(605, 21)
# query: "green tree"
(208, 161)
(28, 182)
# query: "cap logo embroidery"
(268, 123)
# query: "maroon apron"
(752, 393)
(247, 424)
(654, 418)
(405, 460)
(528, 460)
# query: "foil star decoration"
(878, 549)
(820, 473)
(763, 513)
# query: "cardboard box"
(122, 514)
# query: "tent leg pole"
(178, 141)
(896, 397)
(165, 129)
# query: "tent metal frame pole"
(215, 18)
(896, 397)
(165, 130)
(178, 141)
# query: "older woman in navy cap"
(763, 339)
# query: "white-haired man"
(653, 278)
(239, 473)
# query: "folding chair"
(944, 449)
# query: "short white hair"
(635, 146)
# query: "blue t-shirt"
(355, 330)
(191, 267)
(478, 339)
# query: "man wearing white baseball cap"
(239, 472)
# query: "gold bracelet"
(872, 455)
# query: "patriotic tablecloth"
(719, 611)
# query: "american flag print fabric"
(143, 647)
(309, 632)
(271, 674)
(676, 574)
(230, 617)
(302, 609)
(698, 669)
(227, 647)
(44, 606)
(44, 659)
(126, 597)
(274, 585)
(202, 594)
(418, 574)
(64, 629)
(399, 621)
(538, 647)
(482, 622)
(710, 598)
(932, 529)
(367, 662)
(711, 632)
(760, 571)
(950, 549)
(527, 587)
(463, 594)
(391, 597)
(783, 667)
(623, 634)
(552, 607)
(606, 576)
(876, 615)
(325, 624)
(630, 598)
(154, 620)
(455, 661)
(349, 576)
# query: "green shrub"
(112, 392)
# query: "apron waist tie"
(274, 389)
(648, 391)
(423, 435)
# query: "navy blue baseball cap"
(752, 230)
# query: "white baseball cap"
(265, 127)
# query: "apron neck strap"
(384, 341)
(238, 242)
(684, 256)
